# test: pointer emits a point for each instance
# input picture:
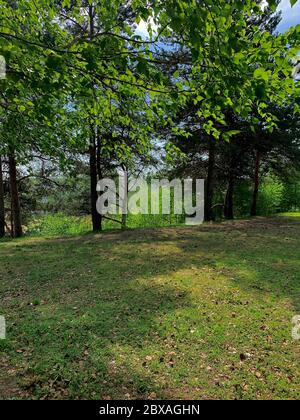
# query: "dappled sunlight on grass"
(177, 313)
(293, 214)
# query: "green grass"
(186, 313)
(291, 214)
(58, 225)
(52, 225)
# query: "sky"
(290, 15)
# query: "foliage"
(80, 80)
(274, 197)
(136, 314)
(58, 225)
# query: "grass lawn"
(294, 214)
(188, 313)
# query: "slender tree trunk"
(124, 204)
(99, 174)
(2, 207)
(228, 209)
(99, 167)
(11, 220)
(96, 217)
(124, 221)
(256, 184)
(209, 185)
(17, 231)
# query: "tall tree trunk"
(96, 217)
(99, 166)
(228, 209)
(124, 216)
(256, 184)
(124, 222)
(17, 231)
(209, 185)
(99, 171)
(124, 204)
(2, 207)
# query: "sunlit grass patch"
(176, 313)
(52, 225)
(291, 214)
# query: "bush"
(270, 197)
(274, 197)
(58, 224)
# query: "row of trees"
(212, 81)
(248, 157)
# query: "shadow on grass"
(84, 313)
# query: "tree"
(86, 54)
(17, 230)
(230, 96)
(253, 212)
(278, 151)
(2, 206)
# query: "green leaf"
(21, 108)
(261, 74)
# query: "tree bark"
(209, 185)
(96, 217)
(94, 159)
(2, 206)
(99, 166)
(228, 209)
(256, 185)
(17, 230)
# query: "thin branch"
(41, 177)
(111, 219)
